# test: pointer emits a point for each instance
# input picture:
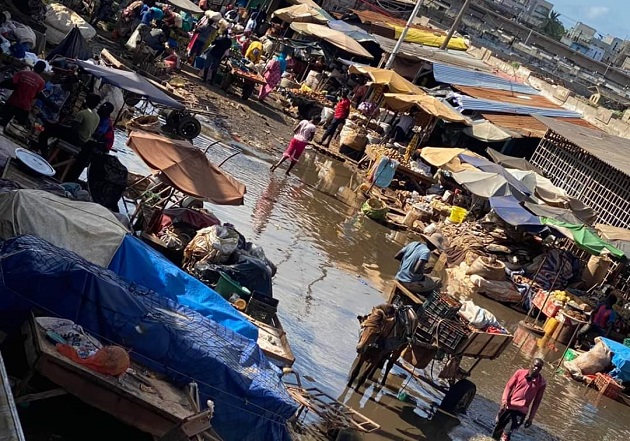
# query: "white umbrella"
(336, 38)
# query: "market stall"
(237, 73)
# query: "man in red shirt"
(523, 394)
(26, 85)
(342, 110)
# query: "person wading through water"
(523, 393)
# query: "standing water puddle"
(332, 265)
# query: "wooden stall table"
(65, 147)
(12, 172)
(149, 404)
(246, 80)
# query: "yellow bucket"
(458, 214)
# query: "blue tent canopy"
(620, 359)
(168, 338)
(131, 82)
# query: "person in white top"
(302, 135)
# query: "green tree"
(553, 27)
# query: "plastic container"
(626, 342)
(607, 386)
(442, 305)
(550, 327)
(226, 287)
(570, 355)
(458, 214)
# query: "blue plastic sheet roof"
(444, 73)
(510, 210)
(468, 103)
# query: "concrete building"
(533, 12)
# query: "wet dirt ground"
(334, 264)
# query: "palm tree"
(553, 27)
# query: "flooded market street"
(333, 264)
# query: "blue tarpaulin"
(620, 359)
(510, 210)
(139, 263)
(251, 403)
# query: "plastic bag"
(214, 244)
(598, 359)
(501, 291)
(478, 317)
(109, 360)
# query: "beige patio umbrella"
(336, 38)
(487, 132)
(302, 14)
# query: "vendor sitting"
(413, 260)
(83, 126)
(601, 320)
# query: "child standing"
(303, 134)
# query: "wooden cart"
(247, 81)
(478, 345)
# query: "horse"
(385, 331)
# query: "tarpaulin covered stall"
(399, 102)
(173, 340)
(336, 38)
(77, 226)
(187, 169)
(131, 82)
(394, 82)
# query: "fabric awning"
(131, 82)
(187, 168)
(302, 14)
(557, 213)
(399, 102)
(585, 238)
(394, 81)
(336, 38)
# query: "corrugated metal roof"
(369, 17)
(612, 150)
(465, 77)
(433, 55)
(528, 126)
(468, 103)
(508, 97)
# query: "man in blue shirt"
(413, 259)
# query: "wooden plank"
(155, 409)
(273, 341)
(41, 396)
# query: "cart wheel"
(228, 79)
(172, 118)
(189, 127)
(459, 397)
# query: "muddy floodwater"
(334, 264)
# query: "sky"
(607, 16)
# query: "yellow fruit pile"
(561, 296)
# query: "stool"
(59, 146)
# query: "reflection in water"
(328, 259)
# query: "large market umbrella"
(395, 82)
(186, 5)
(512, 161)
(584, 237)
(399, 102)
(302, 14)
(619, 237)
(336, 38)
(484, 165)
(511, 211)
(187, 169)
(487, 132)
(446, 158)
(487, 184)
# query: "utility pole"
(401, 39)
(453, 28)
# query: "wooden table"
(13, 173)
(149, 404)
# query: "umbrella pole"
(228, 158)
